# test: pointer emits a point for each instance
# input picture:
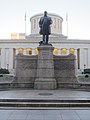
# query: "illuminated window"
(63, 51)
(20, 50)
(55, 51)
(36, 51)
(28, 51)
(71, 50)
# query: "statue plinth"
(45, 68)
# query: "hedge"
(4, 71)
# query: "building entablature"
(36, 40)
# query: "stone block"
(45, 69)
(45, 84)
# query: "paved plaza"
(60, 94)
(52, 114)
(45, 113)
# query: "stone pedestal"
(45, 68)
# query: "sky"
(12, 14)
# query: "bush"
(86, 76)
(4, 71)
(87, 71)
(1, 75)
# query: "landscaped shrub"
(1, 75)
(86, 76)
(4, 71)
(87, 71)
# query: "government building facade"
(27, 45)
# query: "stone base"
(45, 84)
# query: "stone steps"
(43, 103)
(45, 100)
(11, 86)
(27, 104)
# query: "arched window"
(55, 51)
(20, 50)
(28, 51)
(58, 24)
(34, 23)
(63, 51)
(71, 50)
(54, 22)
(36, 51)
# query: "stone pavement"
(61, 94)
(66, 114)
(46, 113)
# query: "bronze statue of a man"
(45, 28)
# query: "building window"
(71, 50)
(20, 50)
(54, 22)
(34, 23)
(58, 24)
(55, 51)
(63, 51)
(36, 51)
(61, 26)
(14, 35)
(37, 23)
(28, 51)
(0, 51)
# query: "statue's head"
(45, 13)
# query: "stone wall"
(26, 67)
(64, 70)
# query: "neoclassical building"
(9, 48)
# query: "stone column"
(81, 58)
(88, 57)
(11, 59)
(75, 53)
(60, 51)
(68, 52)
(24, 51)
(33, 51)
(45, 68)
(3, 59)
(16, 51)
